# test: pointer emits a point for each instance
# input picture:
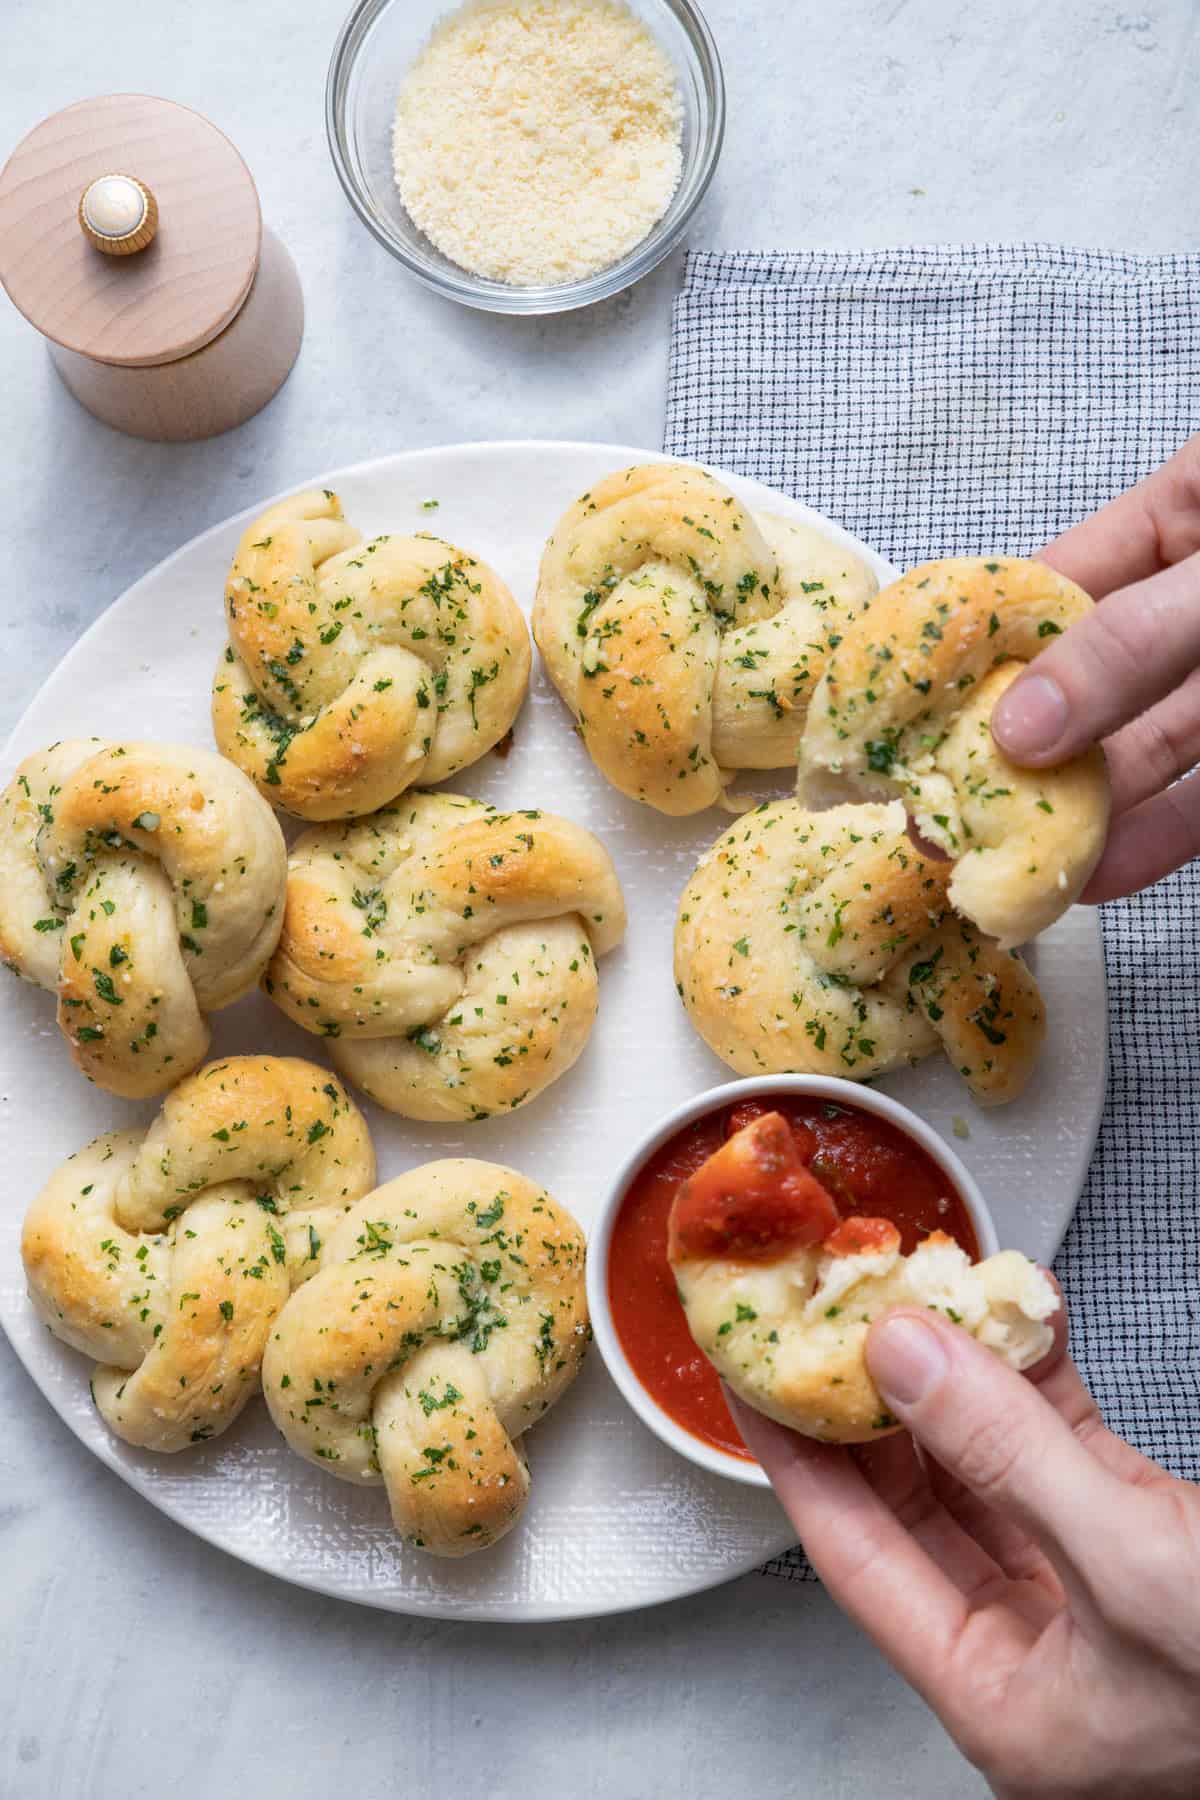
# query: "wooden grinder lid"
(180, 287)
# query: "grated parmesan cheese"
(537, 141)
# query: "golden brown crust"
(449, 1313)
(686, 634)
(285, 1125)
(447, 951)
(356, 669)
(144, 884)
(984, 1004)
(167, 1254)
(904, 708)
(824, 943)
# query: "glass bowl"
(380, 41)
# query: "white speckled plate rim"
(616, 1520)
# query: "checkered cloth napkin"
(952, 401)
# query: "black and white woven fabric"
(953, 401)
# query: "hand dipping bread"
(780, 1291)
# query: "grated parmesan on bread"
(537, 141)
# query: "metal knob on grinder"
(118, 215)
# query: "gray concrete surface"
(134, 1660)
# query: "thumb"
(992, 1430)
(1131, 651)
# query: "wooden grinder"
(131, 236)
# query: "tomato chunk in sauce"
(869, 1168)
(753, 1200)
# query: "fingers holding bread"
(903, 709)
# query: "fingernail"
(906, 1358)
(1030, 717)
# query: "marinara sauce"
(870, 1167)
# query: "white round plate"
(616, 1520)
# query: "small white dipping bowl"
(718, 1099)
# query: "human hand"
(1030, 1574)
(1127, 675)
